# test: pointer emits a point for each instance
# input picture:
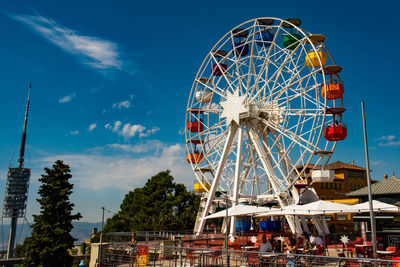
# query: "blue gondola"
(264, 38)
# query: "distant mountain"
(81, 231)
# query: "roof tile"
(385, 187)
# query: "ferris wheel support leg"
(237, 176)
(218, 174)
(304, 224)
(319, 222)
(269, 169)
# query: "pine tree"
(51, 238)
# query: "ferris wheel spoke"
(272, 159)
(276, 72)
(211, 88)
(267, 61)
(291, 136)
(268, 168)
(284, 155)
(274, 95)
(255, 178)
(224, 74)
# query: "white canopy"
(320, 206)
(313, 208)
(240, 210)
(377, 206)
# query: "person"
(290, 248)
(307, 248)
(318, 241)
(265, 245)
(133, 248)
(278, 247)
(133, 239)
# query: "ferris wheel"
(266, 104)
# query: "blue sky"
(110, 83)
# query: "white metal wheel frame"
(261, 155)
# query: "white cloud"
(129, 130)
(67, 98)
(74, 132)
(123, 104)
(99, 172)
(92, 127)
(389, 137)
(150, 145)
(149, 132)
(388, 140)
(93, 51)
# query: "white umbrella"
(239, 210)
(313, 208)
(320, 207)
(377, 205)
(283, 212)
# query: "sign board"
(393, 240)
(142, 255)
(142, 250)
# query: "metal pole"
(226, 234)
(371, 208)
(11, 237)
(101, 236)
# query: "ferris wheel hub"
(233, 106)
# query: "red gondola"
(196, 122)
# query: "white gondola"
(203, 96)
(325, 176)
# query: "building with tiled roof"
(388, 188)
(348, 178)
(342, 165)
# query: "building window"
(351, 186)
(335, 185)
(322, 185)
(340, 186)
(356, 174)
(330, 185)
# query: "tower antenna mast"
(17, 186)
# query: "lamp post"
(101, 236)
(371, 208)
(226, 233)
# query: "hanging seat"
(334, 90)
(194, 158)
(203, 94)
(241, 48)
(335, 132)
(264, 38)
(291, 41)
(312, 59)
(195, 125)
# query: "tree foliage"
(51, 238)
(160, 204)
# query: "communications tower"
(16, 193)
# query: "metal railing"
(122, 254)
